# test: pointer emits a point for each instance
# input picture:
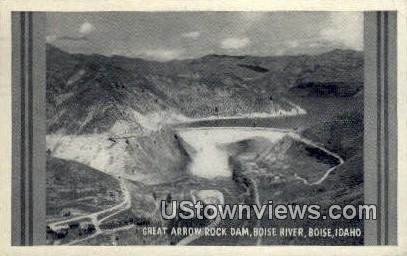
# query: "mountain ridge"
(90, 93)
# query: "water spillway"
(207, 146)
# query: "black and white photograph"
(147, 109)
(172, 128)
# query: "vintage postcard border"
(29, 127)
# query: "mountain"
(108, 116)
(71, 185)
(94, 93)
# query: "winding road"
(126, 204)
(325, 150)
(292, 134)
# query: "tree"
(169, 198)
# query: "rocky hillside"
(91, 93)
(72, 190)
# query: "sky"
(165, 36)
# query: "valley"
(124, 134)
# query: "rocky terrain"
(118, 116)
(93, 93)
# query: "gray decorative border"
(380, 142)
(28, 149)
(28, 115)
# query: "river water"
(209, 156)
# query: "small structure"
(65, 213)
(87, 227)
(74, 225)
(209, 196)
(58, 232)
(113, 194)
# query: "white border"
(193, 5)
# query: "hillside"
(91, 93)
(72, 190)
(116, 116)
